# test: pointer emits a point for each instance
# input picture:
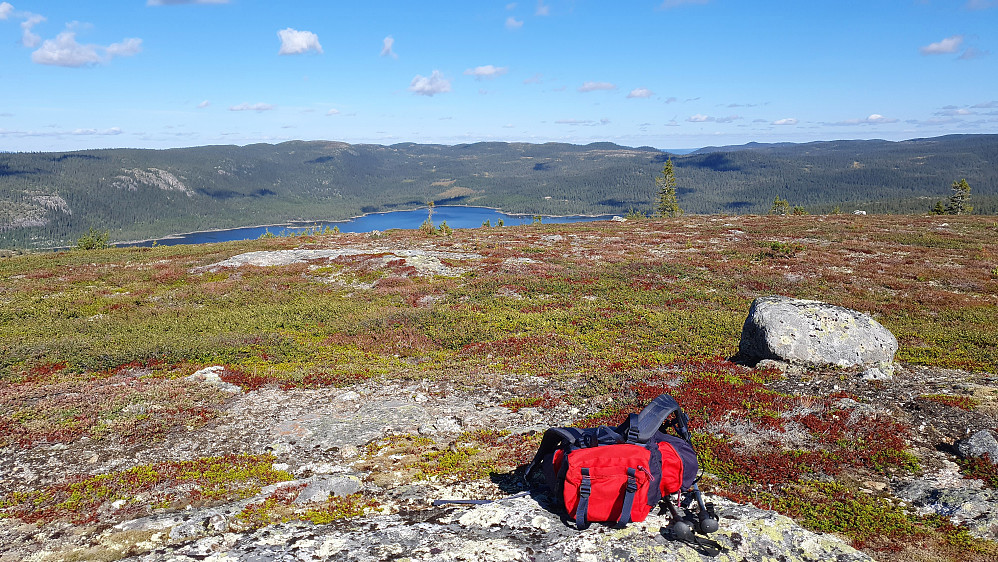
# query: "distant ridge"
(50, 199)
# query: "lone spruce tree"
(958, 201)
(668, 204)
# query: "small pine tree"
(780, 206)
(668, 203)
(93, 240)
(958, 201)
(800, 210)
(938, 209)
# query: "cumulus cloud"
(430, 85)
(876, 119)
(676, 3)
(948, 45)
(204, 104)
(65, 51)
(513, 23)
(333, 111)
(641, 93)
(542, 10)
(179, 2)
(487, 71)
(873, 119)
(5, 10)
(785, 121)
(294, 42)
(28, 37)
(126, 48)
(699, 118)
(595, 86)
(253, 107)
(386, 47)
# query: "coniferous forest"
(50, 199)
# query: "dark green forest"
(50, 199)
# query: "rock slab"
(813, 333)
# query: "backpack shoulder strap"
(554, 439)
(639, 428)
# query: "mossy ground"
(606, 314)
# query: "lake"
(456, 217)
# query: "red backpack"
(620, 474)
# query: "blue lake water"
(455, 216)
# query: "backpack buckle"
(586, 487)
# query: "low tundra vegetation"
(595, 318)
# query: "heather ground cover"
(596, 317)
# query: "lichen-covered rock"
(516, 529)
(815, 333)
(979, 444)
(949, 494)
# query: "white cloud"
(511, 6)
(294, 42)
(980, 4)
(729, 119)
(584, 122)
(671, 100)
(386, 47)
(28, 37)
(785, 121)
(431, 85)
(876, 118)
(513, 23)
(253, 107)
(594, 86)
(873, 119)
(948, 45)
(65, 51)
(542, 10)
(953, 112)
(5, 10)
(204, 104)
(111, 131)
(333, 111)
(487, 71)
(641, 93)
(699, 118)
(126, 48)
(675, 3)
(535, 79)
(178, 2)
(973, 53)
(986, 105)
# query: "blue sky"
(663, 73)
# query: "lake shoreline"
(301, 224)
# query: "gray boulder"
(814, 333)
(977, 445)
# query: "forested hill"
(49, 199)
